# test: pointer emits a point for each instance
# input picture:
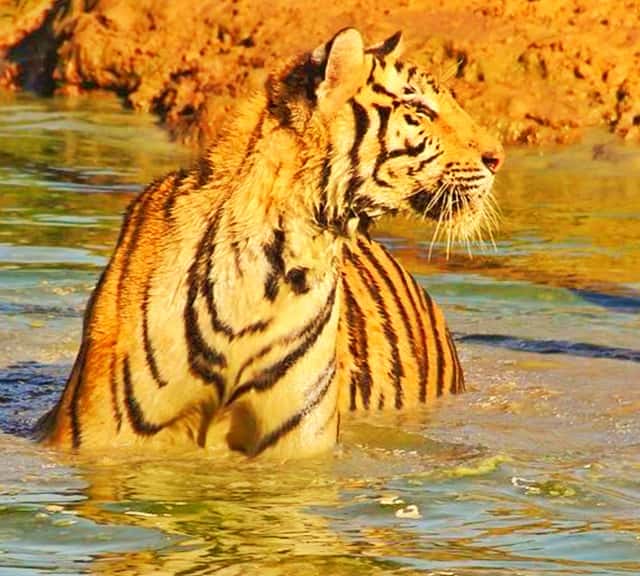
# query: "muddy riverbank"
(536, 72)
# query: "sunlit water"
(534, 471)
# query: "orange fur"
(244, 306)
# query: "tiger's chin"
(460, 217)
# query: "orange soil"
(536, 71)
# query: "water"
(533, 472)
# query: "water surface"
(533, 472)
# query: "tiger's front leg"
(258, 425)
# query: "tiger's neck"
(306, 185)
(266, 222)
(271, 278)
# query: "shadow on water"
(27, 391)
(619, 303)
(582, 349)
(29, 308)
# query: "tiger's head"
(391, 138)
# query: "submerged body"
(244, 306)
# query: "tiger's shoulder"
(395, 348)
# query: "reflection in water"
(534, 471)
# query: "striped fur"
(396, 348)
(244, 307)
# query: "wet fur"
(245, 307)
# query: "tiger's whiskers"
(473, 225)
(436, 197)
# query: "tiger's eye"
(411, 120)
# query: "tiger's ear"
(344, 69)
(391, 47)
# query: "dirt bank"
(535, 71)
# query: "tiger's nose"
(493, 159)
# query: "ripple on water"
(533, 472)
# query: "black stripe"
(202, 283)
(454, 368)
(459, 375)
(326, 168)
(411, 120)
(254, 137)
(76, 430)
(436, 336)
(470, 178)
(273, 252)
(461, 382)
(454, 361)
(422, 361)
(380, 89)
(133, 219)
(201, 356)
(177, 178)
(207, 411)
(399, 304)
(409, 150)
(359, 348)
(423, 109)
(269, 377)
(386, 47)
(134, 411)
(148, 346)
(383, 114)
(434, 86)
(289, 339)
(361, 126)
(323, 382)
(353, 387)
(371, 77)
(237, 260)
(204, 171)
(321, 210)
(195, 341)
(297, 279)
(233, 242)
(113, 375)
(396, 371)
(416, 169)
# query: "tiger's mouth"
(439, 206)
(459, 215)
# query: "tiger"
(245, 308)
